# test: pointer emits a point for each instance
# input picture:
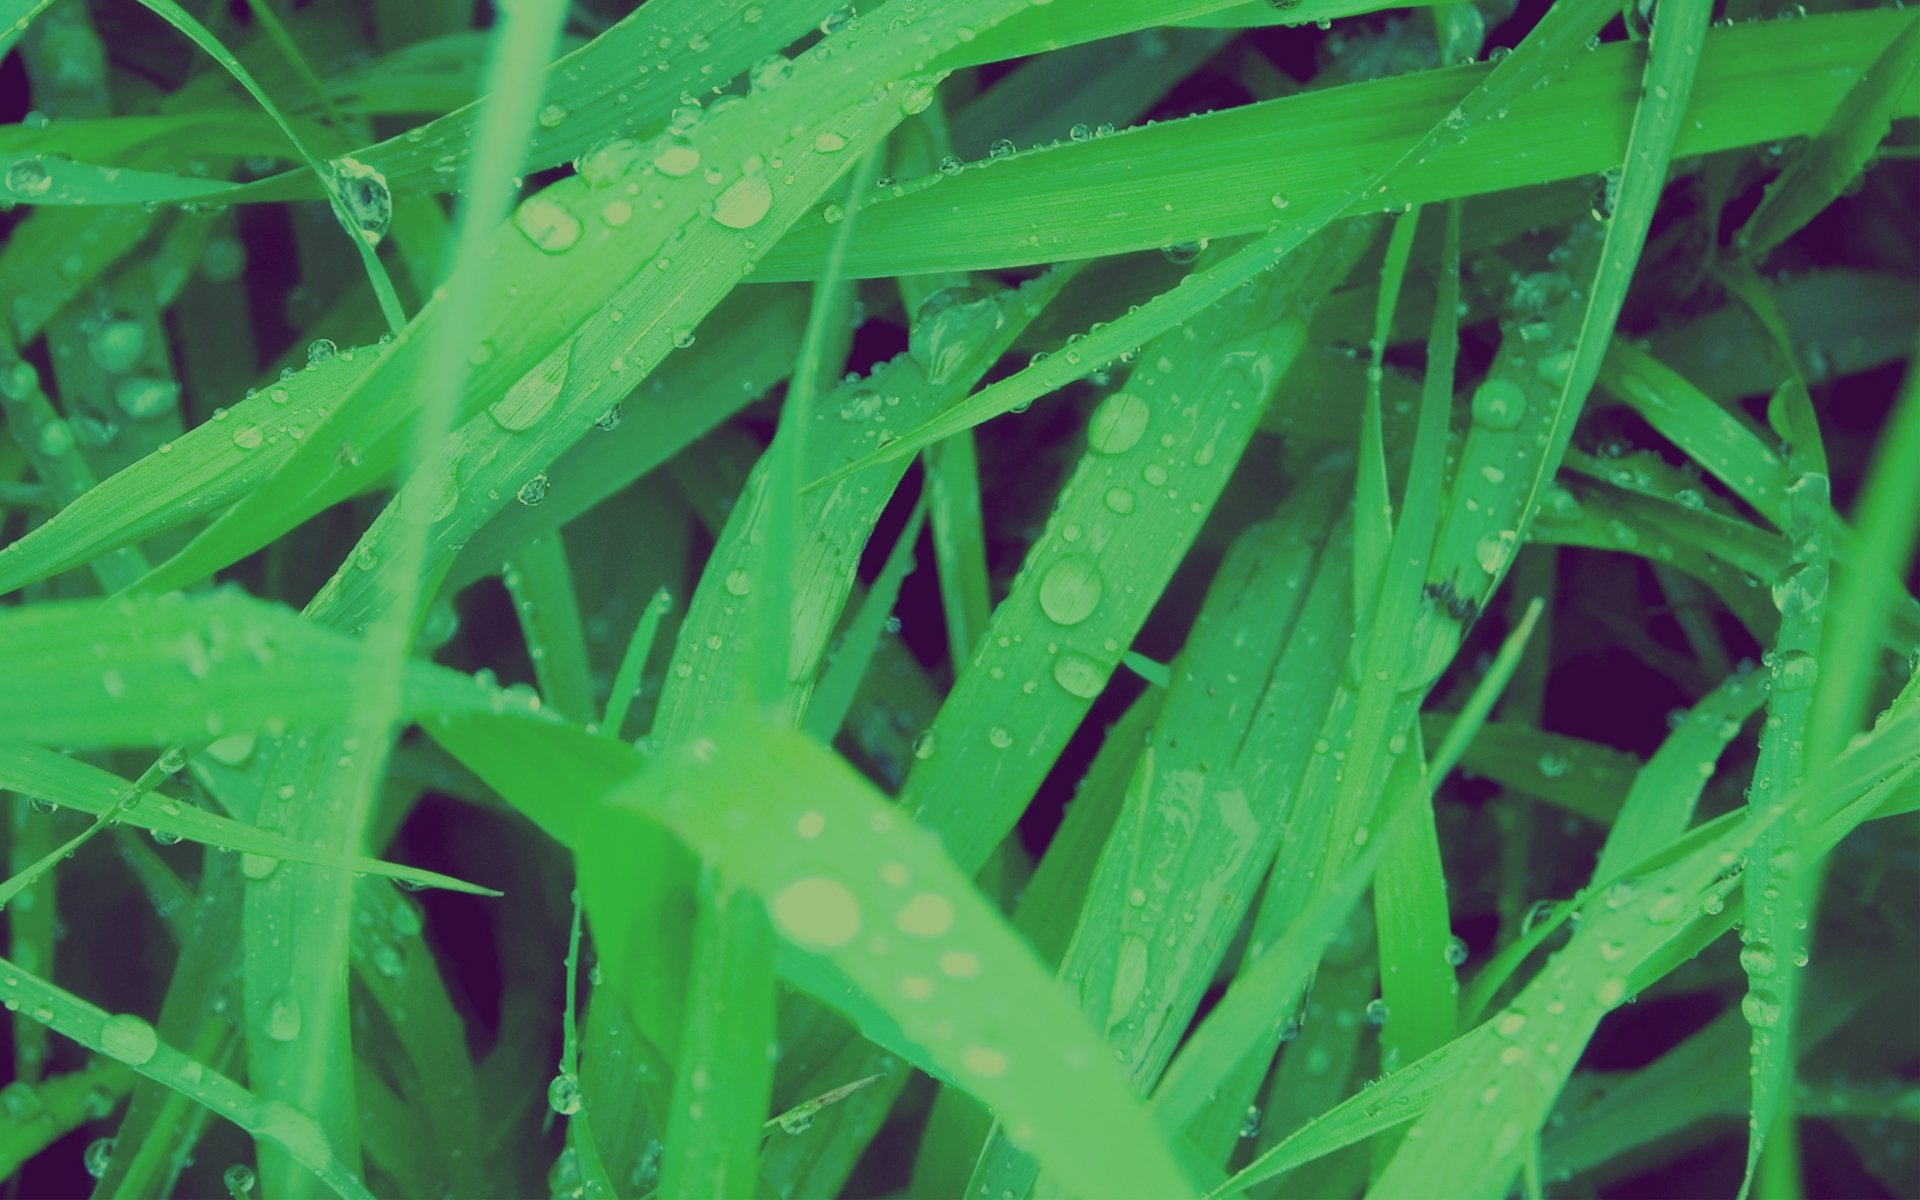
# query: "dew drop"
(745, 203)
(1079, 675)
(817, 912)
(1118, 424)
(361, 196)
(563, 1094)
(1070, 590)
(128, 1039)
(533, 395)
(1761, 1008)
(1499, 404)
(547, 223)
(283, 1018)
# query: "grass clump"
(1166, 597)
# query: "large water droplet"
(563, 1094)
(1118, 424)
(547, 223)
(745, 203)
(128, 1039)
(361, 196)
(1761, 1008)
(817, 912)
(29, 179)
(117, 345)
(1070, 590)
(533, 396)
(1800, 589)
(948, 325)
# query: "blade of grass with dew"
(52, 1108)
(201, 472)
(177, 664)
(840, 680)
(70, 783)
(725, 1074)
(626, 680)
(1575, 775)
(1186, 852)
(130, 1040)
(1660, 806)
(539, 579)
(563, 1094)
(704, 675)
(1228, 166)
(1780, 892)
(1018, 1043)
(1838, 152)
(747, 347)
(603, 322)
(1111, 544)
(1550, 46)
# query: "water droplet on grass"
(239, 1179)
(283, 1019)
(1118, 424)
(1761, 1008)
(533, 396)
(117, 345)
(745, 203)
(563, 1094)
(98, 1156)
(29, 179)
(360, 193)
(1498, 404)
(128, 1039)
(547, 223)
(675, 156)
(818, 913)
(1079, 675)
(145, 397)
(1070, 590)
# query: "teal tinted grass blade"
(1373, 507)
(355, 197)
(1758, 82)
(69, 783)
(1666, 90)
(1551, 43)
(1868, 592)
(725, 1073)
(130, 1040)
(539, 580)
(203, 471)
(836, 867)
(1183, 862)
(709, 670)
(1660, 806)
(771, 552)
(1839, 152)
(1121, 527)
(626, 680)
(183, 669)
(1717, 439)
(840, 681)
(744, 349)
(52, 1108)
(1780, 891)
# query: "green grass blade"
(540, 581)
(944, 958)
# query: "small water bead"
(248, 436)
(999, 737)
(548, 224)
(97, 1157)
(1494, 551)
(738, 582)
(1499, 404)
(1120, 500)
(1079, 675)
(321, 350)
(829, 142)
(563, 1094)
(1761, 1008)
(1553, 766)
(129, 1039)
(609, 161)
(1070, 590)
(1456, 951)
(1001, 148)
(533, 491)
(1795, 670)
(552, 116)
(239, 1179)
(745, 203)
(844, 17)
(1154, 475)
(770, 72)
(283, 1018)
(360, 192)
(924, 744)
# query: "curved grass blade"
(69, 783)
(184, 669)
(128, 1039)
(820, 847)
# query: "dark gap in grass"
(1635, 1035)
(885, 1167)
(875, 342)
(1208, 89)
(490, 632)
(1042, 818)
(446, 835)
(1712, 1169)
(1595, 691)
(271, 272)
